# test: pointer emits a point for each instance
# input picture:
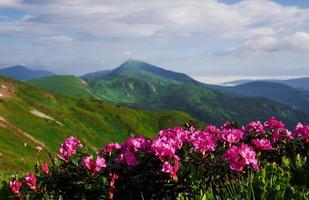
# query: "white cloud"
(160, 18)
(297, 42)
(167, 31)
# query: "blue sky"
(202, 38)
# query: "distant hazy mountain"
(22, 73)
(298, 99)
(298, 83)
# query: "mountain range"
(20, 72)
(299, 83)
(143, 86)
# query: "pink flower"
(94, 165)
(232, 136)
(273, 123)
(241, 156)
(15, 186)
(203, 141)
(137, 144)
(110, 148)
(44, 168)
(68, 148)
(168, 142)
(169, 168)
(302, 131)
(127, 158)
(256, 128)
(30, 180)
(262, 144)
(280, 135)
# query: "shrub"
(231, 162)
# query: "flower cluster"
(68, 148)
(302, 131)
(94, 165)
(241, 156)
(234, 147)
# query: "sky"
(203, 38)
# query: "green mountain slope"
(31, 117)
(66, 85)
(205, 104)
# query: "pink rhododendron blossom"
(93, 165)
(232, 136)
(241, 156)
(289, 135)
(302, 131)
(127, 158)
(273, 123)
(68, 148)
(110, 148)
(169, 168)
(256, 128)
(137, 144)
(15, 186)
(44, 168)
(162, 147)
(280, 135)
(168, 142)
(203, 141)
(262, 144)
(213, 130)
(30, 180)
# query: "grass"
(95, 122)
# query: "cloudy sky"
(203, 38)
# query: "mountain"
(298, 83)
(66, 85)
(95, 75)
(298, 99)
(140, 85)
(31, 117)
(22, 73)
(144, 71)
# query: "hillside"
(20, 72)
(66, 85)
(31, 117)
